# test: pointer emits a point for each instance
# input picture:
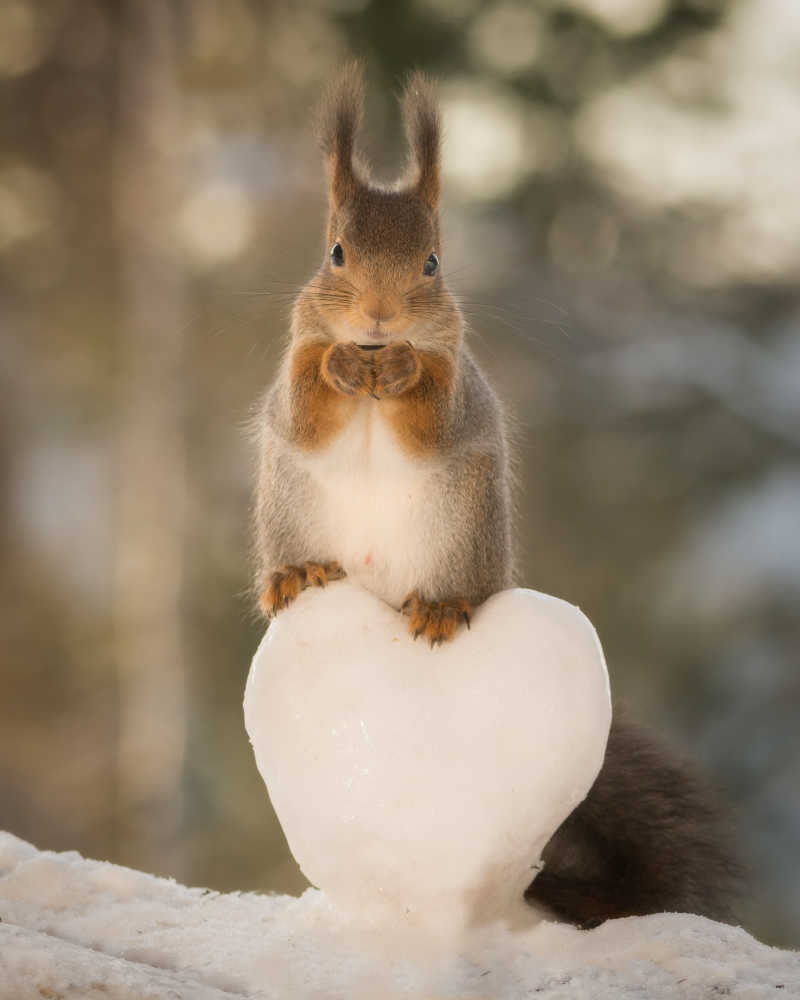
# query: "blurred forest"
(622, 223)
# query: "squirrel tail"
(648, 838)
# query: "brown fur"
(318, 412)
(423, 130)
(415, 385)
(339, 120)
(419, 412)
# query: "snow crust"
(74, 929)
(420, 785)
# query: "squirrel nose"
(379, 311)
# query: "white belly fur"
(375, 506)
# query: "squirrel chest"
(374, 509)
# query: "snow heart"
(420, 785)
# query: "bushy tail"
(648, 838)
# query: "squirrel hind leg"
(287, 582)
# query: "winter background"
(623, 229)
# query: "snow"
(419, 785)
(74, 929)
(460, 761)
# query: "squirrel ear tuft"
(338, 121)
(423, 128)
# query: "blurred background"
(622, 224)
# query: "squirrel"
(384, 457)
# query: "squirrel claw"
(438, 621)
(287, 582)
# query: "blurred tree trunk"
(149, 648)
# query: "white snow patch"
(73, 929)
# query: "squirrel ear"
(338, 121)
(423, 128)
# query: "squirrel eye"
(337, 254)
(430, 265)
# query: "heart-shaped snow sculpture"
(425, 782)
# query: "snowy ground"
(73, 928)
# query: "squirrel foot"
(287, 582)
(436, 620)
(397, 369)
(348, 369)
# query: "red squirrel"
(384, 458)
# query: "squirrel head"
(380, 279)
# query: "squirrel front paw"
(348, 369)
(436, 620)
(287, 582)
(397, 369)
